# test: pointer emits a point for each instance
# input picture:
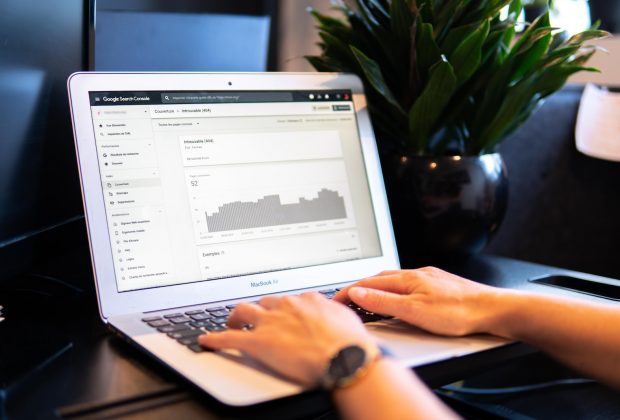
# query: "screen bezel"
(112, 302)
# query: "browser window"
(203, 186)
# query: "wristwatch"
(349, 364)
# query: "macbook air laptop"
(204, 190)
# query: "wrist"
(502, 312)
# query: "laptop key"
(185, 334)
(172, 316)
(200, 317)
(179, 320)
(218, 314)
(158, 323)
(198, 311)
(196, 348)
(231, 307)
(216, 309)
(366, 316)
(172, 328)
(186, 341)
(201, 324)
(327, 292)
(219, 321)
(215, 328)
(151, 319)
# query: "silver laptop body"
(202, 190)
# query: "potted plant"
(446, 81)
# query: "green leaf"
(542, 22)
(558, 39)
(322, 64)
(532, 38)
(516, 98)
(430, 105)
(554, 78)
(529, 59)
(587, 35)
(426, 8)
(456, 36)
(401, 21)
(449, 13)
(335, 48)
(558, 56)
(468, 54)
(326, 21)
(427, 50)
(514, 11)
(485, 10)
(372, 71)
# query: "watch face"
(346, 363)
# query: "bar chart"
(242, 202)
(270, 211)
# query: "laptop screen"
(202, 186)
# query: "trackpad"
(414, 347)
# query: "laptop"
(203, 190)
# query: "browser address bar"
(224, 97)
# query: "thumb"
(378, 301)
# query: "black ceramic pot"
(446, 206)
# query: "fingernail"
(358, 292)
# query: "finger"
(387, 273)
(390, 283)
(270, 302)
(312, 296)
(244, 314)
(379, 301)
(343, 297)
(239, 340)
(279, 302)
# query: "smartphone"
(576, 284)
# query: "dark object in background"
(564, 206)
(580, 285)
(531, 12)
(445, 206)
(183, 35)
(41, 43)
(608, 12)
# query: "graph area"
(269, 211)
(266, 200)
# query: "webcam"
(229, 83)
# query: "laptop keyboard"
(185, 327)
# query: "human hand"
(293, 335)
(429, 298)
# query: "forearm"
(583, 335)
(389, 391)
